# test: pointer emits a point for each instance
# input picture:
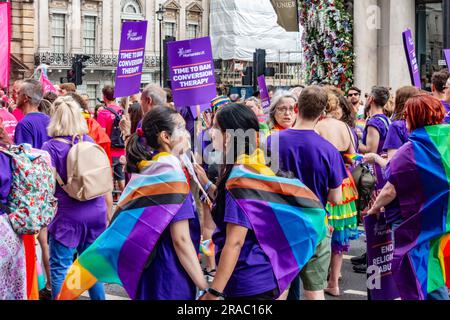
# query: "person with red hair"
(415, 200)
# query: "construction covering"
(239, 27)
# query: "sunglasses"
(353, 95)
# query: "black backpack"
(117, 141)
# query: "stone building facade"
(22, 39)
(378, 27)
(93, 27)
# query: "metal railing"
(287, 73)
(65, 60)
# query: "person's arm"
(335, 196)
(230, 254)
(372, 141)
(375, 158)
(387, 195)
(203, 179)
(186, 253)
(391, 153)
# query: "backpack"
(31, 204)
(89, 174)
(116, 134)
(365, 182)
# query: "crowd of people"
(216, 191)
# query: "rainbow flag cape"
(420, 172)
(146, 207)
(287, 218)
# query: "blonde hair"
(333, 99)
(67, 119)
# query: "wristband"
(215, 293)
(208, 186)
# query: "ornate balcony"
(97, 61)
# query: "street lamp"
(160, 17)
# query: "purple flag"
(192, 73)
(380, 253)
(131, 58)
(264, 94)
(447, 57)
(410, 51)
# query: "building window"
(89, 35)
(59, 33)
(192, 31)
(131, 11)
(169, 30)
(91, 90)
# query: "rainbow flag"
(287, 218)
(354, 157)
(420, 172)
(207, 248)
(361, 124)
(146, 207)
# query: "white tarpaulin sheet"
(239, 27)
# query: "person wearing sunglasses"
(354, 98)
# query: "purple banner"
(447, 57)
(380, 253)
(131, 59)
(264, 94)
(410, 51)
(192, 73)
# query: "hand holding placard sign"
(264, 94)
(192, 73)
(131, 58)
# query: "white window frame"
(64, 36)
(94, 38)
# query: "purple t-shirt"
(76, 222)
(312, 159)
(5, 179)
(32, 129)
(447, 112)
(397, 136)
(253, 273)
(165, 278)
(381, 123)
(393, 214)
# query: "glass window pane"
(89, 34)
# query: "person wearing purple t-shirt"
(376, 129)
(319, 165)
(174, 271)
(244, 270)
(77, 224)
(32, 129)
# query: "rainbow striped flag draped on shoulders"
(289, 221)
(420, 172)
(146, 207)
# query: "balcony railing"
(65, 60)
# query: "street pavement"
(352, 285)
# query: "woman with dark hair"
(13, 280)
(418, 188)
(155, 256)
(176, 254)
(254, 253)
